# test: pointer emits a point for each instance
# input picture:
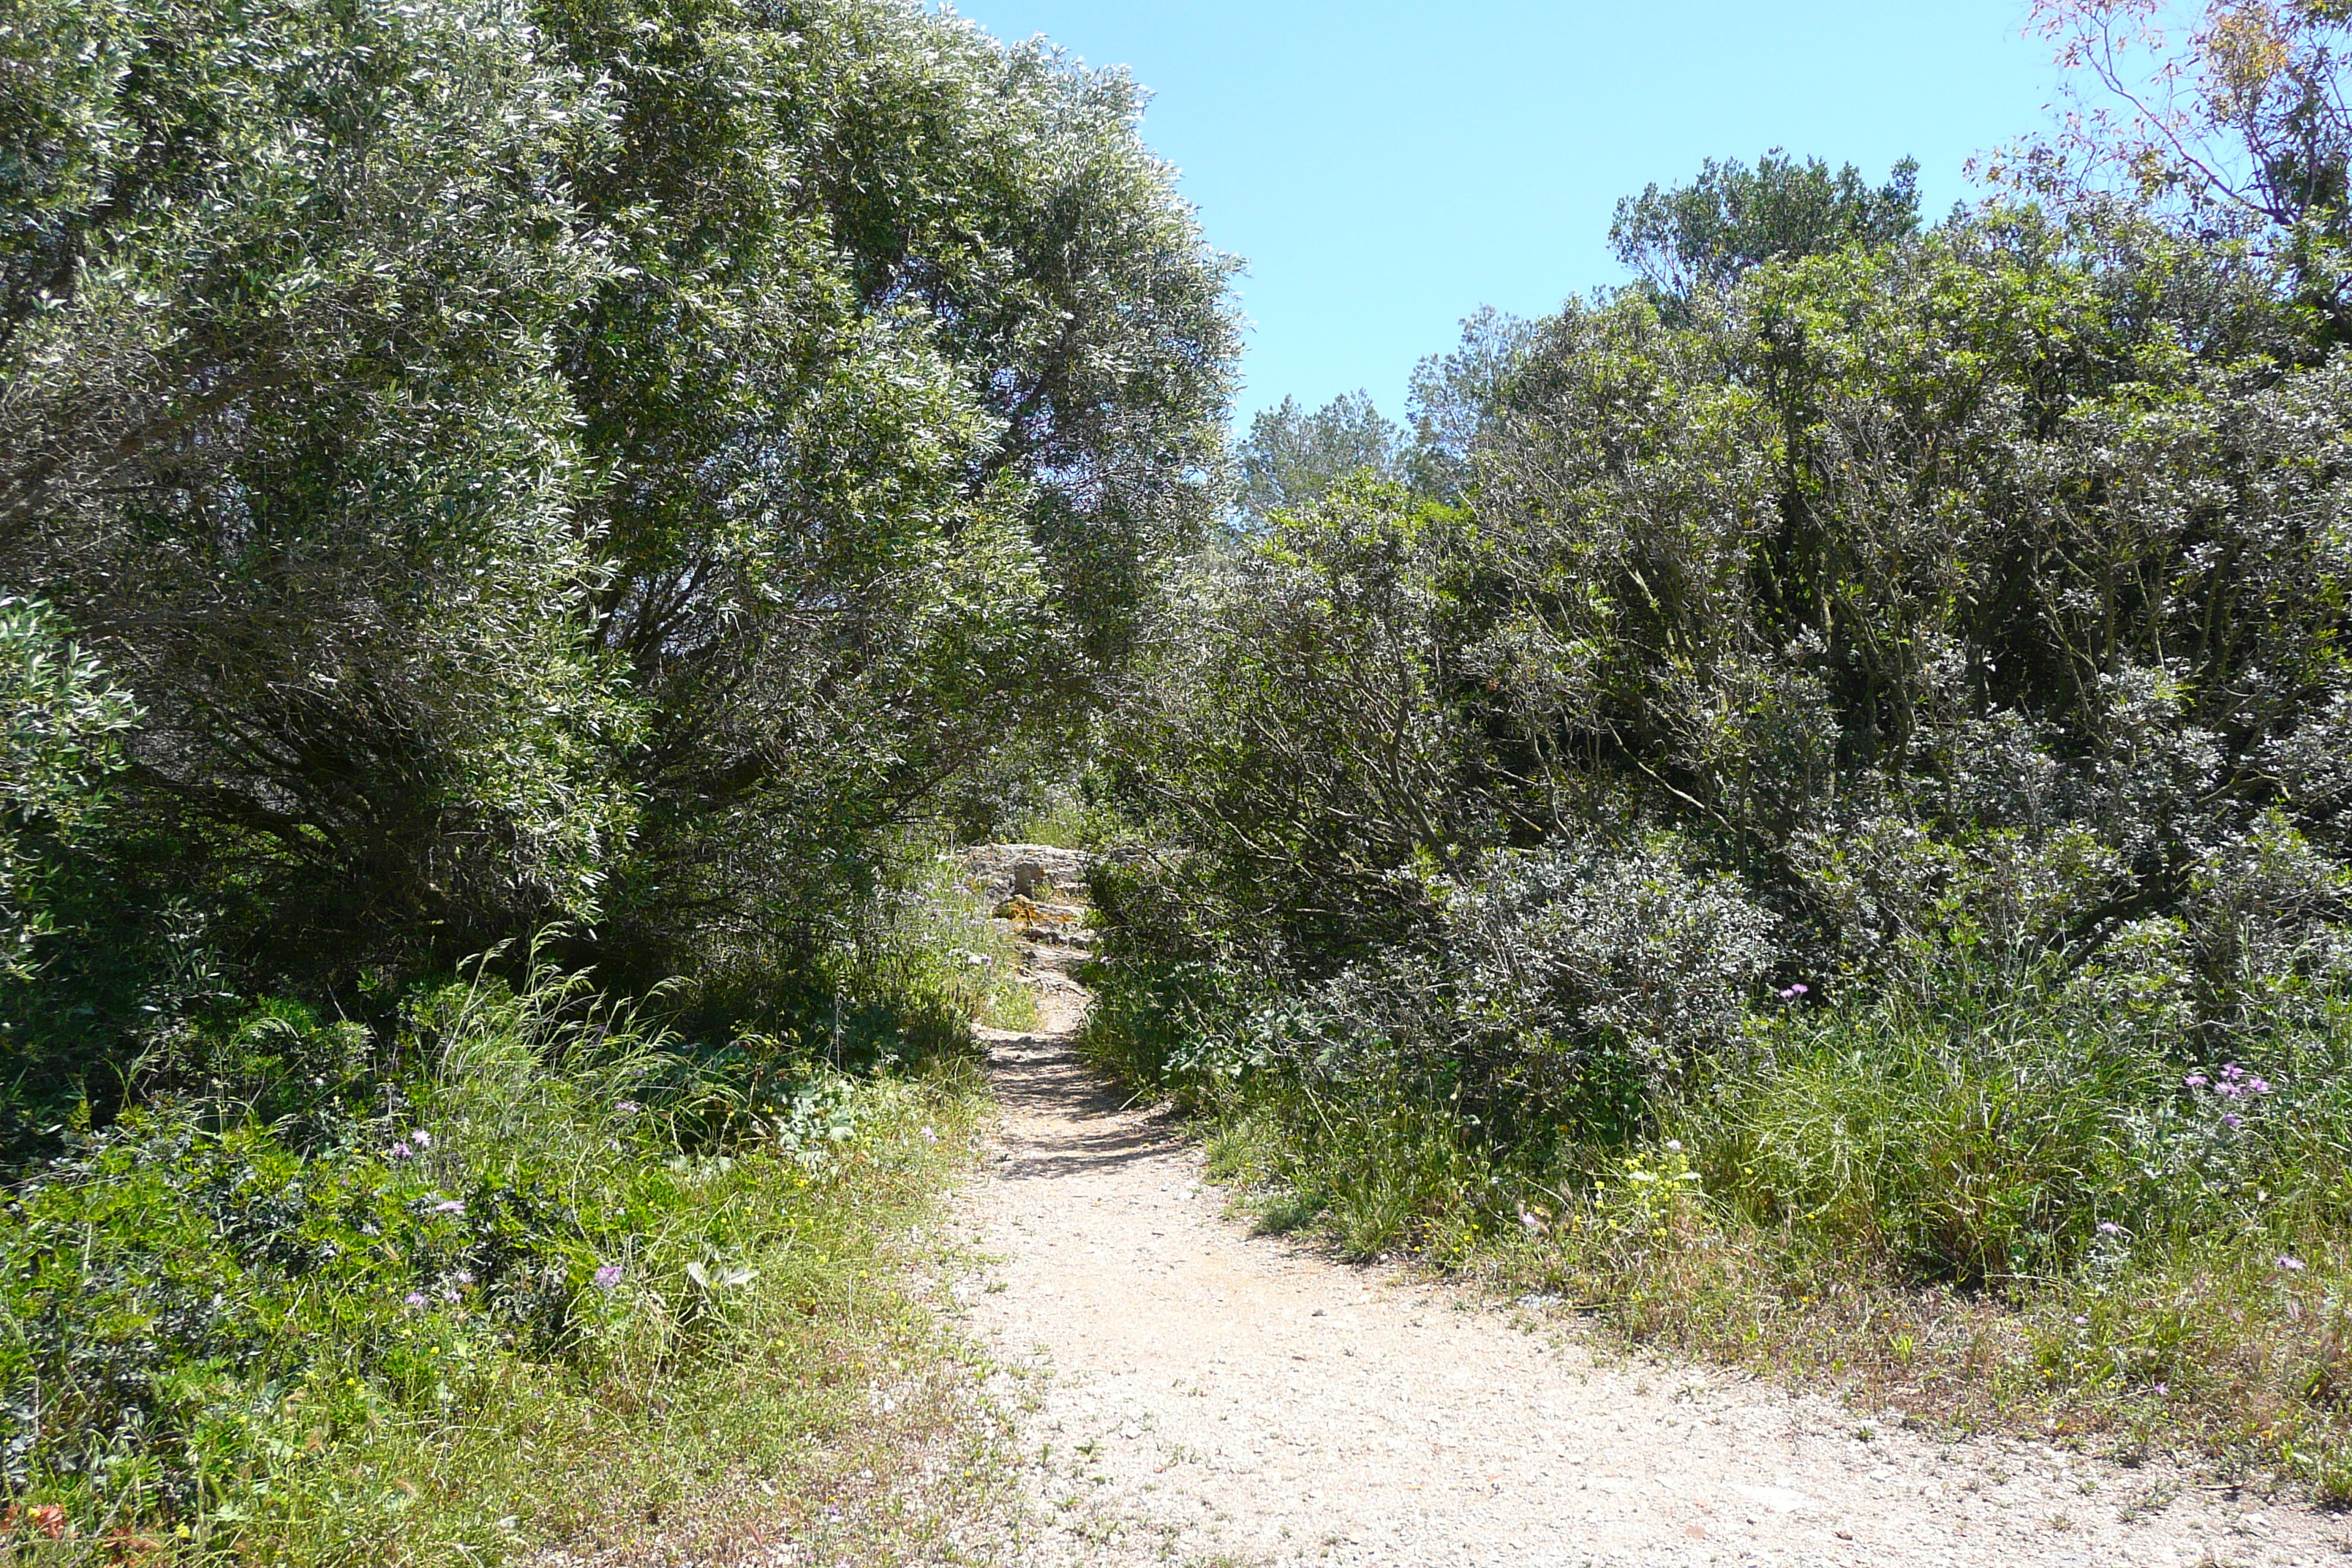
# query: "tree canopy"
(1706, 234)
(598, 462)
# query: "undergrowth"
(1989, 1208)
(530, 1271)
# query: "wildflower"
(2109, 1227)
(2162, 1389)
(1674, 1145)
(450, 1294)
(1794, 991)
(2258, 1086)
(398, 1152)
(420, 1138)
(2080, 1321)
(930, 1136)
(2195, 1080)
(2292, 1265)
(628, 1108)
(2231, 1119)
(450, 1206)
(608, 1276)
(414, 1300)
(465, 1276)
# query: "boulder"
(1001, 871)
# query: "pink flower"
(607, 1276)
(2292, 1265)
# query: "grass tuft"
(562, 1284)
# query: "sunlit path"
(1195, 1394)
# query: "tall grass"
(559, 1279)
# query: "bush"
(322, 1334)
(64, 726)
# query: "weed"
(520, 1297)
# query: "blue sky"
(1385, 169)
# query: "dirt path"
(1189, 1395)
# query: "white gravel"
(1187, 1393)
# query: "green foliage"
(1301, 728)
(1697, 587)
(586, 464)
(1706, 234)
(63, 722)
(1292, 456)
(324, 1334)
(914, 373)
(288, 446)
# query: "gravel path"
(1187, 1393)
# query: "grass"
(558, 1284)
(1991, 1209)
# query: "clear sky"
(1386, 168)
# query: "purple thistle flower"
(608, 1276)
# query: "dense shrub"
(1549, 985)
(65, 723)
(1975, 593)
(525, 1208)
(571, 464)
